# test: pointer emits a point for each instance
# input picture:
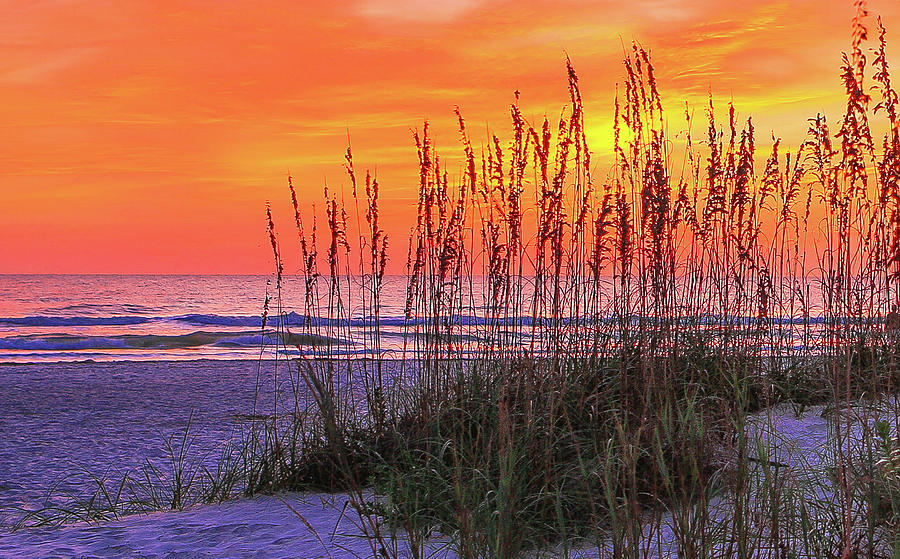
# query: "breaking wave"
(65, 342)
(299, 320)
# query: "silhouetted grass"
(631, 327)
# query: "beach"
(63, 420)
(260, 527)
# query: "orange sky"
(147, 137)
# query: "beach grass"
(629, 328)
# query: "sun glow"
(148, 137)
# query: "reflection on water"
(109, 318)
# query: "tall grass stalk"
(625, 328)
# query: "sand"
(97, 415)
(59, 421)
(261, 527)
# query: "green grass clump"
(520, 454)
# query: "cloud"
(425, 11)
(48, 68)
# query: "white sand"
(259, 527)
(74, 413)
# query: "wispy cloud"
(166, 96)
(434, 11)
(51, 65)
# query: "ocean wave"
(293, 319)
(104, 310)
(75, 320)
(67, 342)
(298, 320)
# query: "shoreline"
(240, 360)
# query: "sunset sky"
(146, 137)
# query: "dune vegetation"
(585, 351)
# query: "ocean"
(101, 318)
(64, 318)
